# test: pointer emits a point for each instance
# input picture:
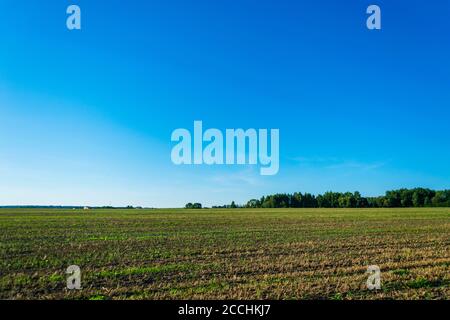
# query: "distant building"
(86, 208)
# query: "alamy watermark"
(374, 20)
(74, 278)
(374, 279)
(73, 21)
(235, 147)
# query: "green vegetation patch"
(151, 270)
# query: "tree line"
(418, 197)
(193, 206)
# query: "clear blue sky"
(86, 116)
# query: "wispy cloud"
(356, 165)
(248, 177)
(338, 163)
(314, 159)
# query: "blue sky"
(86, 116)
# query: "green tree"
(197, 205)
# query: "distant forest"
(402, 198)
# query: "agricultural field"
(225, 253)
